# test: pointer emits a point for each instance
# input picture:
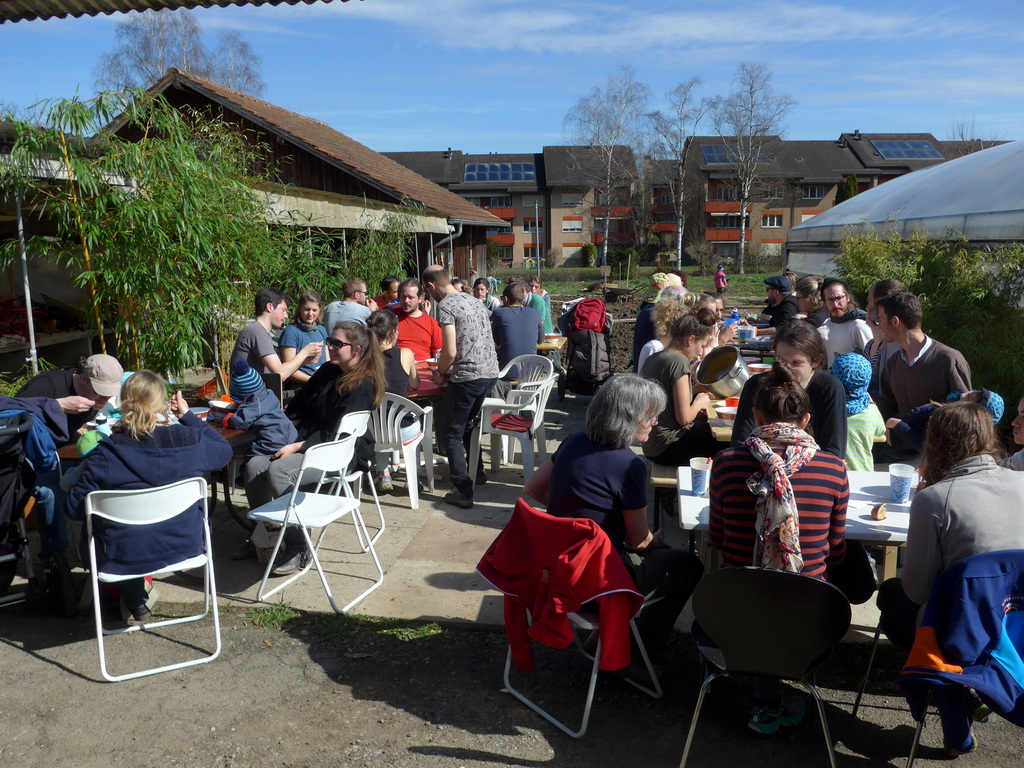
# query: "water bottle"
(733, 318)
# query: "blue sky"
(499, 75)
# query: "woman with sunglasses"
(351, 380)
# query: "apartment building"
(796, 180)
(552, 201)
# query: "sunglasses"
(339, 344)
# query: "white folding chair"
(520, 416)
(143, 508)
(312, 509)
(386, 425)
(356, 423)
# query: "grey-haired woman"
(595, 474)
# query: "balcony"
(502, 213)
(664, 226)
(663, 208)
(616, 212)
(502, 239)
(724, 235)
(725, 206)
(614, 238)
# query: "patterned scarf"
(777, 519)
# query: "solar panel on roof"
(499, 172)
(716, 153)
(907, 149)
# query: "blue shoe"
(766, 719)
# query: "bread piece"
(878, 512)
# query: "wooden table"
(866, 490)
(553, 346)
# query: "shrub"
(589, 252)
(971, 296)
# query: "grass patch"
(338, 627)
(273, 616)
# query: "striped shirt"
(821, 489)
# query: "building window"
(728, 194)
(772, 193)
(531, 201)
(663, 200)
(533, 226)
(731, 221)
(771, 220)
(572, 199)
(770, 250)
(572, 225)
(814, 193)
(665, 218)
(496, 202)
(499, 172)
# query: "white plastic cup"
(700, 469)
(901, 477)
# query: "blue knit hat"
(992, 401)
(854, 371)
(244, 381)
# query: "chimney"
(856, 135)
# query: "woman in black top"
(400, 372)
(799, 348)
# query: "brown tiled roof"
(336, 148)
(27, 10)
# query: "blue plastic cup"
(901, 477)
(699, 473)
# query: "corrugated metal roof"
(337, 148)
(27, 10)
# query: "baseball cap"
(104, 374)
(779, 283)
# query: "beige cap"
(104, 373)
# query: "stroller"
(17, 480)
(588, 353)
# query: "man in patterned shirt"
(469, 363)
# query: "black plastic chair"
(769, 623)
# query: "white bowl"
(756, 368)
(726, 412)
(432, 363)
(552, 336)
(222, 405)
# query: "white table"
(866, 490)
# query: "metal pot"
(723, 372)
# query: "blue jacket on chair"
(972, 635)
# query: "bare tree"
(967, 138)
(672, 128)
(603, 123)
(236, 64)
(749, 120)
(150, 43)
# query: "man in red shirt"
(417, 331)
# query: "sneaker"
(979, 710)
(972, 744)
(481, 476)
(457, 499)
(384, 484)
(767, 718)
(291, 563)
(245, 552)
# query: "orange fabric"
(927, 653)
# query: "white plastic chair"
(521, 416)
(312, 509)
(386, 424)
(144, 508)
(356, 424)
(532, 372)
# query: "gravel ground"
(326, 695)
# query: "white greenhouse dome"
(979, 197)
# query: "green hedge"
(568, 274)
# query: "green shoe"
(766, 719)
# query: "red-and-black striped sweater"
(821, 489)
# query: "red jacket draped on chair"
(548, 567)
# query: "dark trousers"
(462, 401)
(671, 574)
(897, 614)
(697, 441)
